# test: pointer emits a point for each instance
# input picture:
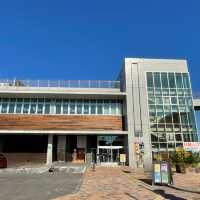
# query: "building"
(149, 109)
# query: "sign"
(191, 146)
(162, 173)
(122, 158)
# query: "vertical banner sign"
(164, 173)
(157, 175)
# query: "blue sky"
(48, 39)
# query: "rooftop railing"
(60, 83)
(196, 95)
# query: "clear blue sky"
(78, 39)
(82, 39)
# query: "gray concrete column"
(50, 150)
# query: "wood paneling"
(60, 122)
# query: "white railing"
(196, 95)
(60, 83)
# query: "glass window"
(149, 79)
(106, 107)
(72, 107)
(171, 80)
(47, 108)
(151, 100)
(186, 81)
(58, 108)
(99, 107)
(40, 108)
(164, 80)
(33, 108)
(179, 83)
(93, 107)
(26, 108)
(166, 100)
(86, 107)
(119, 105)
(178, 137)
(4, 107)
(113, 108)
(19, 108)
(157, 82)
(181, 100)
(65, 108)
(173, 100)
(158, 100)
(11, 108)
(79, 107)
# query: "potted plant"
(177, 159)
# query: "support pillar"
(50, 150)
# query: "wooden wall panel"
(60, 122)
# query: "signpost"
(162, 173)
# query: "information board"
(162, 173)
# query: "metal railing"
(60, 83)
(196, 95)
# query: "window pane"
(47, 109)
(171, 80)
(99, 107)
(65, 108)
(58, 108)
(4, 107)
(157, 82)
(19, 108)
(113, 107)
(164, 80)
(33, 108)
(179, 83)
(79, 107)
(93, 107)
(72, 107)
(86, 107)
(11, 108)
(186, 81)
(40, 109)
(149, 79)
(106, 107)
(26, 108)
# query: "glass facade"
(171, 112)
(60, 106)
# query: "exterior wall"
(137, 101)
(60, 122)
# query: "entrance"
(109, 149)
(109, 154)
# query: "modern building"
(148, 109)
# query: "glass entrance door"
(109, 154)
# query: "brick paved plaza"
(122, 183)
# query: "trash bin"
(3, 161)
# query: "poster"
(164, 173)
(157, 175)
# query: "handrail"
(60, 83)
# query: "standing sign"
(162, 173)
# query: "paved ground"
(110, 184)
(124, 184)
(22, 186)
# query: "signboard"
(162, 173)
(191, 146)
(122, 158)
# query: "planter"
(180, 168)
